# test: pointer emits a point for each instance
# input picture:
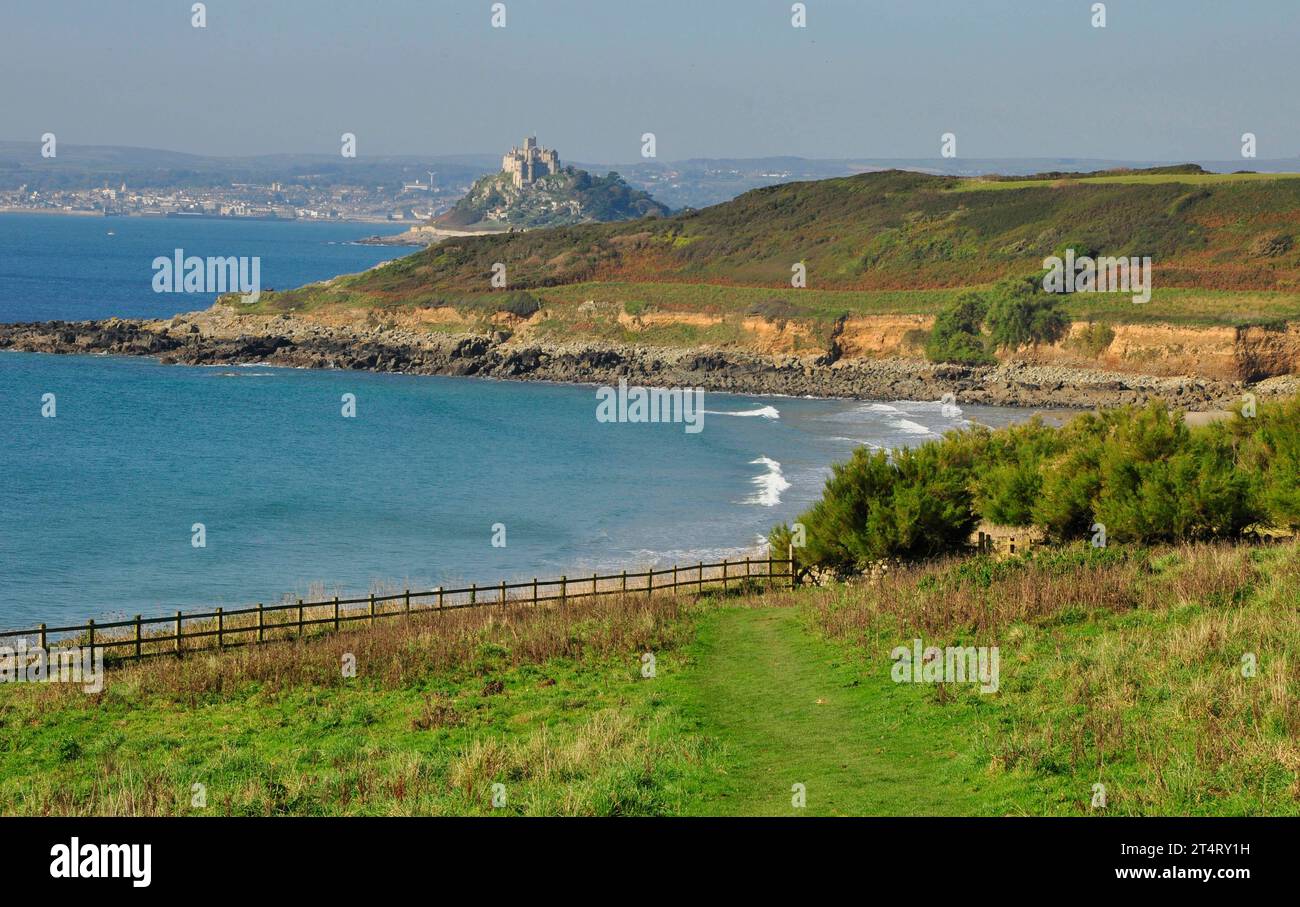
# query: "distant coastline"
(219, 336)
(59, 212)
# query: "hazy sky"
(1165, 80)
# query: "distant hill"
(884, 254)
(896, 230)
(570, 196)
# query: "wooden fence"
(143, 637)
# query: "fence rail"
(224, 629)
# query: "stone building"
(530, 162)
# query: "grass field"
(1168, 305)
(1120, 179)
(819, 308)
(1121, 667)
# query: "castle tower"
(529, 163)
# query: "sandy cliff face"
(878, 336)
(1223, 353)
(1263, 353)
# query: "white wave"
(947, 410)
(770, 484)
(767, 412)
(881, 408)
(908, 427)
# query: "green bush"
(912, 503)
(957, 333)
(1021, 313)
(1093, 340)
(1272, 452)
(1142, 473)
(521, 304)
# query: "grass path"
(789, 707)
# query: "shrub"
(1140, 472)
(775, 309)
(1021, 314)
(1010, 479)
(1093, 340)
(956, 335)
(913, 503)
(521, 304)
(1272, 451)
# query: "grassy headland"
(880, 233)
(884, 254)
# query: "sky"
(1166, 80)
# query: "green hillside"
(1223, 247)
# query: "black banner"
(142, 857)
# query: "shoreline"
(136, 215)
(218, 336)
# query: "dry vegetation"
(1123, 666)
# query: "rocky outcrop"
(219, 337)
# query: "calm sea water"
(68, 267)
(98, 503)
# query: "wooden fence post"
(593, 586)
(261, 632)
(700, 588)
(406, 604)
(221, 626)
(675, 583)
(440, 598)
(178, 634)
(650, 583)
(137, 637)
(300, 626)
(503, 592)
(623, 585)
(534, 591)
(42, 637)
(794, 574)
(372, 609)
(769, 568)
(564, 589)
(473, 593)
(336, 614)
(724, 575)
(90, 635)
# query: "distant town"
(414, 201)
(114, 181)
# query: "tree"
(1021, 314)
(957, 333)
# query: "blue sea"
(98, 505)
(77, 268)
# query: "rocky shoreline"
(221, 337)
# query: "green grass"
(787, 706)
(564, 738)
(1148, 179)
(1122, 669)
(551, 704)
(1168, 305)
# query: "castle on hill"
(530, 162)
